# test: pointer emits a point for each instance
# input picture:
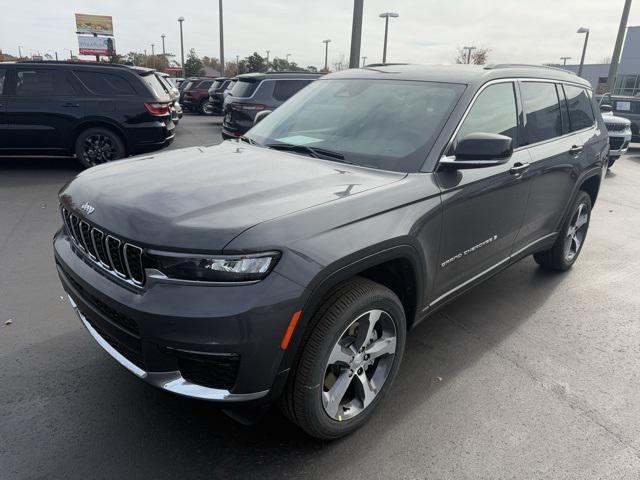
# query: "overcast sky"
(427, 31)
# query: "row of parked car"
(240, 98)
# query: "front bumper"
(619, 144)
(155, 331)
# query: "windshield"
(387, 124)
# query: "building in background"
(628, 79)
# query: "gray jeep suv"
(288, 266)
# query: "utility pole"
(356, 33)
(221, 38)
(469, 49)
(364, 61)
(180, 20)
(326, 54)
(268, 51)
(564, 60)
(163, 52)
(287, 57)
(19, 51)
(56, 56)
(613, 67)
(584, 48)
(153, 55)
(70, 54)
(386, 16)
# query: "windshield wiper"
(248, 140)
(315, 152)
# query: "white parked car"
(619, 130)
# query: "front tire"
(564, 252)
(98, 145)
(349, 360)
(612, 160)
(206, 108)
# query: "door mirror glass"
(481, 149)
(261, 116)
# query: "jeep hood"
(201, 198)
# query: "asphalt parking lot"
(530, 375)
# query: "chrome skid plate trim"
(171, 381)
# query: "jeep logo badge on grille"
(88, 209)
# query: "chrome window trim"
(513, 80)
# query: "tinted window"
(580, 111)
(3, 73)
(494, 111)
(542, 110)
(154, 83)
(217, 84)
(231, 85)
(285, 89)
(105, 83)
(388, 124)
(206, 84)
(244, 88)
(42, 83)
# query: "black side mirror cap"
(478, 150)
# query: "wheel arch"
(99, 123)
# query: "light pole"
(163, 52)
(564, 60)
(287, 57)
(356, 33)
(153, 55)
(326, 54)
(615, 58)
(364, 61)
(469, 50)
(268, 51)
(19, 51)
(584, 47)
(180, 20)
(386, 16)
(221, 38)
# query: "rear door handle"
(519, 168)
(71, 104)
(575, 150)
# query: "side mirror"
(604, 108)
(478, 150)
(261, 115)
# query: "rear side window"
(580, 111)
(105, 83)
(42, 83)
(205, 85)
(244, 88)
(542, 109)
(285, 89)
(216, 85)
(3, 74)
(494, 111)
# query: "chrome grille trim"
(96, 246)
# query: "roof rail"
(384, 64)
(74, 62)
(494, 66)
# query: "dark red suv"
(196, 95)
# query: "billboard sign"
(94, 24)
(90, 45)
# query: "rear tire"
(567, 247)
(206, 108)
(349, 360)
(98, 145)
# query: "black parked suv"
(216, 97)
(255, 92)
(289, 265)
(99, 112)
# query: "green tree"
(193, 66)
(255, 63)
(211, 62)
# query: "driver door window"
(494, 111)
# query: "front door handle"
(575, 149)
(519, 168)
(71, 104)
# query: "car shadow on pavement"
(130, 428)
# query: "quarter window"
(580, 111)
(285, 89)
(494, 111)
(105, 83)
(543, 117)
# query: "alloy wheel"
(576, 232)
(359, 365)
(99, 149)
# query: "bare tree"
(479, 56)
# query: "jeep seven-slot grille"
(119, 258)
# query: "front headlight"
(215, 268)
